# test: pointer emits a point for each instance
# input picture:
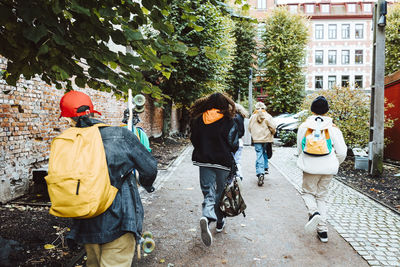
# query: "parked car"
(288, 122)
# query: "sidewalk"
(272, 233)
(371, 229)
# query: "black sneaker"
(312, 223)
(206, 236)
(220, 226)
(260, 179)
(323, 236)
(266, 171)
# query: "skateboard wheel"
(148, 245)
(147, 234)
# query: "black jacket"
(214, 143)
(124, 152)
(239, 120)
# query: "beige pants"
(117, 253)
(315, 189)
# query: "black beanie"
(320, 105)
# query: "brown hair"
(216, 100)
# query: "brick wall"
(29, 120)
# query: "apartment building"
(340, 49)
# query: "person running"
(110, 238)
(262, 129)
(319, 165)
(240, 115)
(214, 137)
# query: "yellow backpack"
(78, 181)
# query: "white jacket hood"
(314, 121)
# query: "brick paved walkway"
(370, 228)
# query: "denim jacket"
(124, 153)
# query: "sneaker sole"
(312, 224)
(260, 181)
(323, 240)
(206, 236)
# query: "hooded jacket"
(124, 152)
(215, 138)
(328, 164)
(262, 127)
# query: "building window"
(345, 80)
(331, 82)
(293, 9)
(332, 31)
(332, 57)
(319, 57)
(319, 82)
(351, 8)
(367, 8)
(345, 57)
(261, 4)
(319, 31)
(358, 81)
(309, 8)
(359, 31)
(325, 8)
(345, 31)
(358, 57)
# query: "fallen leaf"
(49, 246)
(162, 261)
(224, 261)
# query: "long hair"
(216, 100)
(241, 110)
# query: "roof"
(393, 78)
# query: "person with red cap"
(110, 238)
(319, 164)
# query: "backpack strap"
(123, 179)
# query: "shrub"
(350, 110)
(288, 138)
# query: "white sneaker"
(312, 223)
(206, 236)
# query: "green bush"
(350, 110)
(288, 138)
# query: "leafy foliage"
(60, 39)
(284, 40)
(350, 110)
(393, 39)
(244, 52)
(288, 138)
(203, 68)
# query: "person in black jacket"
(240, 115)
(214, 136)
(109, 238)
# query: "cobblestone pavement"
(369, 227)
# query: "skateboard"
(146, 243)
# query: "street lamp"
(382, 13)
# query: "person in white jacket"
(318, 171)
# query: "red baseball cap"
(73, 100)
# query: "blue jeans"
(212, 183)
(262, 158)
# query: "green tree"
(203, 68)
(60, 39)
(284, 42)
(393, 39)
(243, 58)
